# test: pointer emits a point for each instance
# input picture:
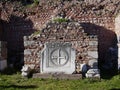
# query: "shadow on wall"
(107, 47)
(13, 32)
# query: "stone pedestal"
(58, 76)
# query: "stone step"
(57, 76)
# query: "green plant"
(116, 15)
(36, 2)
(60, 20)
(36, 32)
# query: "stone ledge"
(57, 76)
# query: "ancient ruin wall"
(61, 32)
(18, 23)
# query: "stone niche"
(58, 58)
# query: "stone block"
(93, 73)
(27, 52)
(3, 64)
(26, 43)
(93, 43)
(93, 63)
(93, 48)
(58, 57)
(58, 76)
(93, 54)
(25, 71)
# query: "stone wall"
(96, 18)
(32, 19)
(86, 46)
(21, 22)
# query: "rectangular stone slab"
(57, 76)
(58, 58)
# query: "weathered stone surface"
(93, 1)
(118, 56)
(99, 13)
(93, 73)
(27, 52)
(117, 27)
(58, 58)
(54, 35)
(28, 43)
(93, 63)
(57, 76)
(93, 43)
(93, 54)
(25, 71)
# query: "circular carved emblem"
(59, 57)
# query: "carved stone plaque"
(58, 57)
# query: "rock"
(93, 73)
(25, 71)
